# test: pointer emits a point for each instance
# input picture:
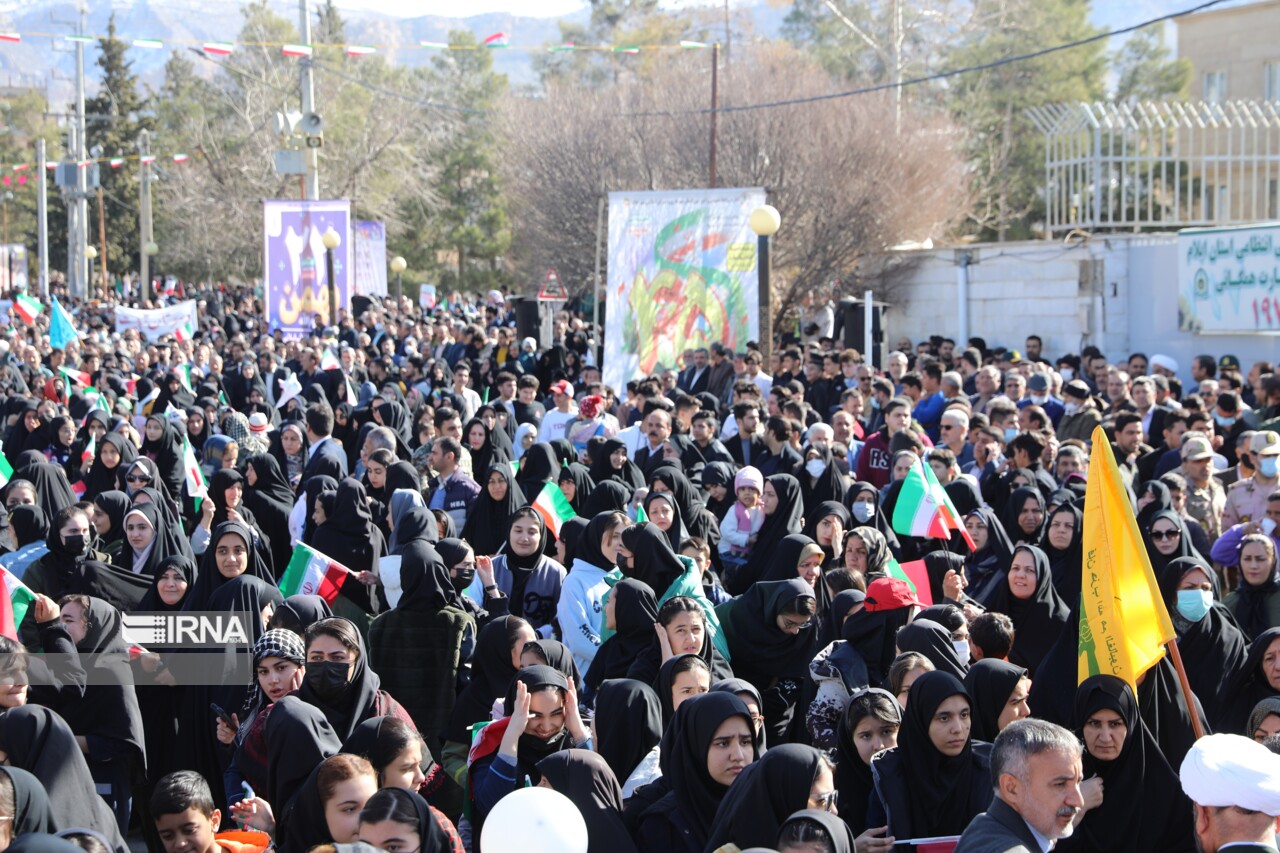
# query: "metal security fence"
(1159, 165)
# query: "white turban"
(1161, 360)
(1230, 770)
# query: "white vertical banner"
(371, 257)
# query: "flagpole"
(1186, 688)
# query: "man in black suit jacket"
(746, 448)
(1234, 783)
(1035, 767)
(696, 378)
(782, 458)
(325, 455)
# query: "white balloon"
(534, 820)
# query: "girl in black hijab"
(484, 453)
(39, 741)
(631, 612)
(782, 493)
(576, 485)
(709, 744)
(1213, 647)
(269, 498)
(765, 794)
(436, 833)
(32, 812)
(612, 463)
(108, 519)
(1024, 515)
(62, 433)
(289, 447)
(27, 431)
(825, 523)
(72, 567)
(607, 496)
(350, 537)
(649, 558)
(993, 551)
(937, 779)
(538, 467)
(934, 642)
(53, 490)
(626, 727)
(1026, 595)
(107, 471)
(230, 555)
(587, 780)
(772, 638)
(163, 445)
(1062, 544)
(693, 511)
(1143, 808)
(716, 476)
(314, 487)
(815, 826)
(865, 511)
(490, 516)
(828, 485)
(298, 737)
(142, 560)
(297, 613)
(494, 664)
(998, 694)
(1167, 539)
(350, 693)
(869, 723)
(1254, 682)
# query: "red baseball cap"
(890, 594)
(562, 387)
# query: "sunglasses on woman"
(1162, 535)
(137, 478)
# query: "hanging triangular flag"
(79, 39)
(360, 50)
(11, 37)
(181, 158)
(441, 45)
(218, 48)
(62, 329)
(115, 162)
(497, 40)
(626, 49)
(691, 45)
(562, 48)
(28, 308)
(295, 50)
(151, 44)
(147, 159)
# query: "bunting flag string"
(496, 41)
(113, 162)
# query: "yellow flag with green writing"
(1123, 621)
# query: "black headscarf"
(53, 490)
(1143, 808)
(299, 736)
(1013, 508)
(145, 563)
(571, 531)
(488, 454)
(532, 749)
(359, 700)
(114, 504)
(783, 521)
(29, 524)
(1248, 686)
(424, 580)
(878, 519)
(853, 775)
(209, 579)
(377, 742)
(1184, 549)
(1251, 600)
(538, 467)
(583, 485)
(491, 674)
(786, 557)
(79, 574)
(838, 831)
(311, 490)
(718, 474)
(635, 613)
(1066, 564)
(830, 484)
(587, 780)
(602, 470)
(488, 520)
(418, 524)
(761, 651)
(1037, 620)
(872, 636)
(934, 642)
(297, 613)
(653, 560)
(1160, 499)
(628, 724)
(166, 451)
(942, 787)
(990, 683)
(764, 795)
(676, 532)
(684, 758)
(32, 811)
(39, 741)
(270, 500)
(965, 495)
(1214, 649)
(185, 567)
(983, 567)
(349, 535)
(689, 501)
(103, 479)
(814, 514)
(607, 496)
(557, 656)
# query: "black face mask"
(463, 578)
(75, 543)
(328, 680)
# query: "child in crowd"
(742, 522)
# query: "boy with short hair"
(187, 821)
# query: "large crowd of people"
(678, 603)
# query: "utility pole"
(715, 71)
(77, 260)
(144, 210)
(311, 184)
(42, 215)
(102, 240)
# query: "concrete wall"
(1118, 293)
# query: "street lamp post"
(150, 249)
(765, 221)
(331, 241)
(92, 254)
(398, 265)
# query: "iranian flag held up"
(13, 604)
(28, 308)
(923, 508)
(311, 573)
(196, 485)
(554, 507)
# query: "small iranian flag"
(28, 308)
(360, 50)
(13, 606)
(196, 485)
(218, 48)
(77, 376)
(90, 449)
(497, 40)
(916, 575)
(554, 507)
(329, 361)
(311, 573)
(295, 50)
(923, 508)
(115, 162)
(6, 471)
(641, 515)
(184, 375)
(352, 397)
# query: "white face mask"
(1038, 400)
(389, 577)
(815, 467)
(863, 510)
(1070, 407)
(1067, 374)
(962, 650)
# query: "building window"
(1215, 86)
(1271, 83)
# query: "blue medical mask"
(1193, 604)
(1267, 466)
(1222, 420)
(1010, 433)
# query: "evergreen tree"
(114, 118)
(1146, 71)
